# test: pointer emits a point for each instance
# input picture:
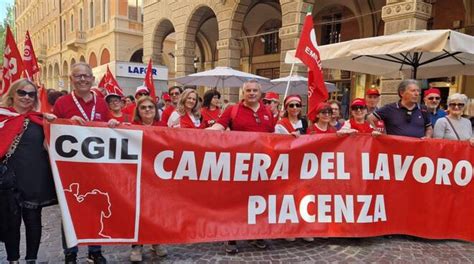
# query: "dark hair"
(53, 96)
(208, 95)
(64, 92)
(331, 102)
(131, 97)
(175, 87)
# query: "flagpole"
(288, 84)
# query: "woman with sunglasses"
(454, 126)
(187, 113)
(357, 123)
(210, 110)
(292, 121)
(26, 182)
(145, 112)
(321, 124)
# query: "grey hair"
(404, 84)
(81, 63)
(252, 81)
(458, 96)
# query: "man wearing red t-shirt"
(81, 105)
(174, 92)
(249, 115)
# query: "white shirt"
(174, 120)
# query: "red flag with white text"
(111, 84)
(29, 58)
(149, 80)
(307, 52)
(12, 62)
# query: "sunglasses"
(294, 105)
(437, 98)
(257, 119)
(326, 112)
(265, 102)
(22, 93)
(453, 105)
(145, 107)
(358, 107)
(175, 94)
(143, 94)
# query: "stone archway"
(56, 76)
(64, 75)
(93, 60)
(163, 29)
(104, 57)
(137, 56)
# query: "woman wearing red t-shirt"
(145, 112)
(210, 110)
(187, 113)
(323, 118)
(357, 123)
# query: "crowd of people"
(26, 189)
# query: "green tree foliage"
(8, 20)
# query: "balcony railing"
(78, 40)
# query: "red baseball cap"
(141, 89)
(271, 96)
(359, 102)
(372, 91)
(323, 106)
(166, 97)
(432, 91)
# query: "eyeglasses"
(146, 107)
(80, 76)
(265, 102)
(437, 98)
(453, 105)
(294, 105)
(358, 107)
(326, 112)
(257, 119)
(175, 94)
(22, 93)
(143, 94)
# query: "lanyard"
(82, 109)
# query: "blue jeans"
(75, 249)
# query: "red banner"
(160, 185)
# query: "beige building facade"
(188, 36)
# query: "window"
(135, 10)
(72, 22)
(331, 29)
(91, 14)
(64, 30)
(105, 9)
(270, 42)
(80, 20)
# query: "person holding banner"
(454, 126)
(292, 121)
(82, 105)
(114, 102)
(187, 113)
(405, 117)
(145, 112)
(26, 182)
(357, 122)
(210, 110)
(252, 116)
(323, 118)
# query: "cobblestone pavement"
(397, 249)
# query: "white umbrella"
(298, 85)
(417, 54)
(221, 77)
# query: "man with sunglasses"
(432, 99)
(405, 117)
(174, 92)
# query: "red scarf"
(11, 124)
(286, 123)
(362, 128)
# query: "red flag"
(12, 63)
(103, 81)
(149, 80)
(29, 58)
(43, 96)
(307, 52)
(111, 84)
